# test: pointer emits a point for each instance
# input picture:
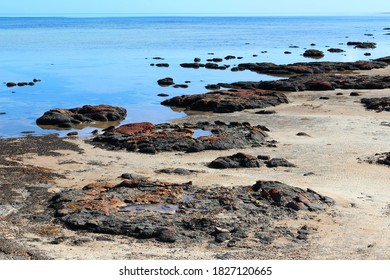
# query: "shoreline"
(340, 136)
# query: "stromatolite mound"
(377, 103)
(182, 212)
(152, 138)
(316, 83)
(66, 118)
(312, 67)
(239, 160)
(228, 101)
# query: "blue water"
(107, 60)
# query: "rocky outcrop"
(67, 118)
(335, 50)
(312, 67)
(150, 138)
(378, 104)
(227, 101)
(317, 83)
(170, 212)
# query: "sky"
(220, 7)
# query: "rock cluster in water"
(182, 212)
(67, 118)
(22, 84)
(152, 138)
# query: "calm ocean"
(107, 60)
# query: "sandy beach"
(338, 136)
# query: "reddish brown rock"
(149, 138)
(171, 212)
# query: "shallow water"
(107, 60)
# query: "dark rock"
(313, 67)
(10, 84)
(213, 87)
(66, 118)
(74, 133)
(367, 54)
(3, 113)
(222, 237)
(162, 65)
(165, 82)
(178, 171)
(277, 162)
(264, 237)
(197, 59)
(377, 103)
(227, 101)
(195, 65)
(217, 59)
(309, 174)
(239, 160)
(354, 94)
(230, 57)
(264, 157)
(324, 97)
(180, 86)
(214, 66)
(303, 134)
(266, 112)
(335, 50)
(158, 58)
(22, 84)
(162, 94)
(131, 176)
(362, 45)
(167, 235)
(339, 93)
(287, 52)
(383, 158)
(313, 53)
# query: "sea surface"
(106, 60)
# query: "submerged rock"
(165, 82)
(66, 118)
(362, 45)
(313, 53)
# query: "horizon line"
(80, 14)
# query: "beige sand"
(342, 135)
